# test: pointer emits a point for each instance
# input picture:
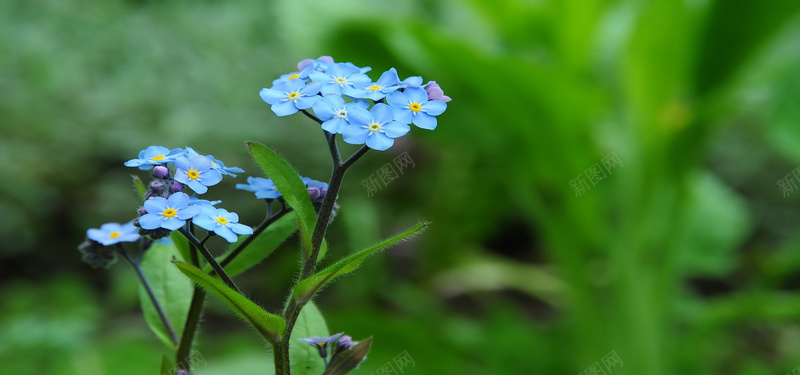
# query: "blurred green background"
(683, 260)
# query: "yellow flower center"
(114, 234)
(294, 95)
(222, 221)
(158, 158)
(374, 88)
(193, 174)
(374, 127)
(293, 76)
(340, 80)
(170, 212)
(415, 107)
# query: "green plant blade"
(171, 289)
(166, 365)
(270, 326)
(349, 359)
(306, 289)
(139, 185)
(182, 244)
(292, 188)
(261, 247)
(304, 359)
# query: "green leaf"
(292, 188)
(166, 365)
(140, 188)
(306, 289)
(270, 326)
(304, 358)
(182, 244)
(262, 246)
(349, 359)
(171, 289)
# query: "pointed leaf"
(172, 290)
(349, 359)
(262, 246)
(291, 187)
(182, 244)
(270, 326)
(306, 289)
(304, 359)
(140, 188)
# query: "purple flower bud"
(156, 185)
(306, 62)
(175, 186)
(313, 192)
(141, 211)
(323, 193)
(345, 342)
(435, 92)
(160, 171)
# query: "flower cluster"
(166, 208)
(348, 102)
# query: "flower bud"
(141, 211)
(160, 171)
(175, 186)
(313, 192)
(96, 254)
(323, 193)
(435, 92)
(156, 185)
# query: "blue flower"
(376, 127)
(215, 163)
(225, 224)
(170, 213)
(316, 189)
(263, 187)
(413, 106)
(332, 110)
(338, 77)
(196, 173)
(388, 82)
(413, 81)
(154, 155)
(195, 201)
(288, 98)
(111, 233)
(321, 343)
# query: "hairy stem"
(210, 259)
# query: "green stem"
(161, 315)
(293, 307)
(183, 354)
(210, 259)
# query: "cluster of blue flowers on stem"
(347, 102)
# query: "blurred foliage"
(684, 260)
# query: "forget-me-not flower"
(263, 187)
(332, 110)
(288, 98)
(388, 82)
(170, 213)
(413, 106)
(154, 155)
(377, 127)
(225, 224)
(197, 173)
(111, 233)
(338, 77)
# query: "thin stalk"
(253, 236)
(293, 307)
(161, 315)
(183, 354)
(210, 259)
